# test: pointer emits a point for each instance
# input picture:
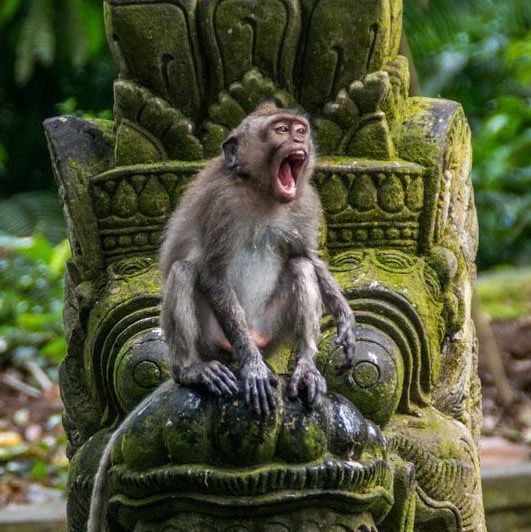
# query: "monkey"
(242, 275)
(241, 270)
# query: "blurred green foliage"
(505, 294)
(54, 60)
(478, 52)
(31, 302)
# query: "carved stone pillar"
(400, 234)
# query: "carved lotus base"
(307, 520)
(213, 460)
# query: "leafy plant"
(53, 51)
(478, 52)
(31, 293)
(47, 26)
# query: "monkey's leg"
(340, 309)
(181, 331)
(306, 307)
(258, 380)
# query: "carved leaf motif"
(168, 65)
(125, 200)
(101, 202)
(240, 35)
(345, 41)
(157, 120)
(415, 194)
(227, 112)
(334, 195)
(363, 193)
(154, 200)
(391, 194)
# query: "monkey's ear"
(230, 147)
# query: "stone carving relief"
(394, 447)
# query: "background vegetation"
(54, 60)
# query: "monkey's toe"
(308, 380)
(260, 395)
(219, 379)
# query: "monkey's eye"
(283, 128)
(301, 130)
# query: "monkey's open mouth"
(288, 173)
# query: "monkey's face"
(289, 138)
(273, 151)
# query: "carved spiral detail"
(130, 267)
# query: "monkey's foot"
(259, 384)
(215, 376)
(306, 376)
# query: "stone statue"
(399, 235)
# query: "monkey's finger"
(271, 397)
(340, 339)
(223, 387)
(321, 386)
(345, 366)
(320, 391)
(205, 378)
(352, 351)
(262, 396)
(254, 397)
(247, 390)
(273, 379)
(226, 371)
(311, 389)
(212, 387)
(232, 385)
(293, 389)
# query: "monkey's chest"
(254, 275)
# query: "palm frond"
(33, 212)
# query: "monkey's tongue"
(285, 175)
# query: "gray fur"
(98, 501)
(236, 260)
(256, 267)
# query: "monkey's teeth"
(299, 153)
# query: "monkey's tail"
(98, 501)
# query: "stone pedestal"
(399, 233)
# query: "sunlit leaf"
(39, 470)
(55, 349)
(40, 249)
(61, 253)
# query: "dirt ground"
(33, 467)
(507, 430)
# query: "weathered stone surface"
(399, 231)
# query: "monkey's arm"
(258, 380)
(340, 309)
(181, 330)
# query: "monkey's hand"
(307, 376)
(215, 376)
(258, 384)
(346, 338)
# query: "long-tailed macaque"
(240, 265)
(242, 275)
